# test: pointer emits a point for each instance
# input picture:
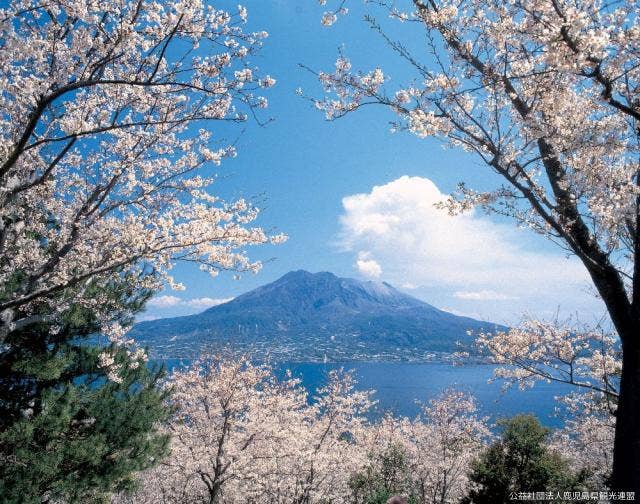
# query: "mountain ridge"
(314, 316)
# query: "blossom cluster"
(540, 350)
(241, 435)
(544, 92)
(590, 360)
(107, 152)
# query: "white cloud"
(164, 301)
(171, 301)
(483, 295)
(173, 306)
(206, 302)
(367, 266)
(458, 259)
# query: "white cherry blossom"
(103, 170)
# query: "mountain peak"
(302, 291)
(305, 275)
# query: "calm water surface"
(400, 386)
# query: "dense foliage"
(240, 435)
(386, 475)
(107, 159)
(107, 149)
(521, 461)
(67, 431)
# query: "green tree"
(67, 432)
(520, 461)
(387, 475)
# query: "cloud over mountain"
(470, 260)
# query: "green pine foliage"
(66, 432)
(520, 461)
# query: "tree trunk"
(626, 452)
(625, 316)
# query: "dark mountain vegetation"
(305, 316)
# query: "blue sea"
(400, 387)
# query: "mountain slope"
(305, 316)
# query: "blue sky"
(302, 168)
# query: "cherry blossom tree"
(589, 360)
(241, 435)
(545, 93)
(586, 440)
(220, 407)
(316, 449)
(542, 351)
(107, 152)
(439, 446)
(443, 457)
